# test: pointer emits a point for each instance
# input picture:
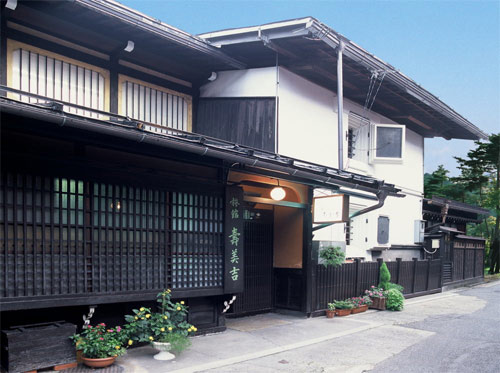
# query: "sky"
(451, 48)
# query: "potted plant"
(377, 297)
(167, 330)
(100, 346)
(361, 303)
(342, 307)
(330, 312)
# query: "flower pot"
(98, 363)
(342, 312)
(330, 314)
(164, 349)
(378, 303)
(360, 309)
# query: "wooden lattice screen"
(64, 236)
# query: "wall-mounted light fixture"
(278, 193)
(130, 46)
(11, 4)
(212, 76)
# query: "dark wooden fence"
(466, 261)
(418, 277)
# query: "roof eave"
(311, 26)
(154, 26)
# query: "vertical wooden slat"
(5, 190)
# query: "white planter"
(164, 349)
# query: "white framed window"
(47, 74)
(167, 109)
(388, 143)
(357, 137)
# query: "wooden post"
(428, 273)
(415, 261)
(379, 261)
(475, 259)
(398, 278)
(358, 276)
(309, 260)
(465, 265)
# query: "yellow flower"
(130, 342)
(182, 302)
(151, 338)
(168, 290)
(141, 309)
(195, 329)
(178, 308)
(142, 318)
(136, 318)
(148, 316)
(162, 329)
(117, 347)
(165, 317)
(170, 328)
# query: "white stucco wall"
(307, 130)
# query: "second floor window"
(162, 107)
(46, 75)
(357, 141)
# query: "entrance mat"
(252, 323)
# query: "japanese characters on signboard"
(233, 242)
(331, 209)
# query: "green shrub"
(332, 255)
(395, 300)
(385, 276)
(343, 305)
(390, 286)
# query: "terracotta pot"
(378, 303)
(343, 312)
(360, 309)
(79, 354)
(98, 363)
(330, 314)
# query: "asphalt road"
(461, 343)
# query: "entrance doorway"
(258, 295)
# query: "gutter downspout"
(340, 104)
(381, 196)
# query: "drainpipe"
(340, 102)
(381, 196)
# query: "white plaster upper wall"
(307, 126)
(308, 122)
(242, 83)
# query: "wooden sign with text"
(234, 226)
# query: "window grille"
(357, 137)
(154, 106)
(197, 240)
(53, 78)
(76, 236)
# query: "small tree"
(332, 255)
(385, 277)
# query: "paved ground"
(456, 331)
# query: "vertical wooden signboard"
(233, 241)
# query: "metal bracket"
(227, 304)
(86, 318)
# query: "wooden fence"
(466, 261)
(418, 277)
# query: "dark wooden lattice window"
(197, 241)
(76, 236)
